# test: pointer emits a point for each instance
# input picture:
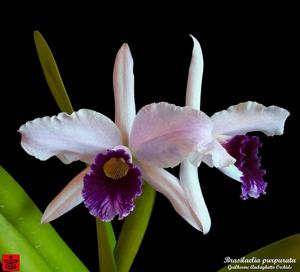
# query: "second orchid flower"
(234, 153)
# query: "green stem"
(133, 229)
(21, 230)
(106, 245)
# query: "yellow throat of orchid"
(116, 168)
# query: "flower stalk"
(133, 229)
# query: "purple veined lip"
(112, 185)
(245, 150)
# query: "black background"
(249, 54)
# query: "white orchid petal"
(213, 154)
(190, 183)
(123, 81)
(67, 199)
(164, 134)
(193, 90)
(250, 116)
(79, 136)
(167, 184)
(188, 172)
(233, 172)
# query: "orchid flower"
(120, 154)
(229, 128)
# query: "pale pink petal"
(67, 199)
(233, 172)
(79, 136)
(190, 183)
(164, 134)
(167, 184)
(193, 90)
(213, 154)
(250, 116)
(188, 172)
(123, 80)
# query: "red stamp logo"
(10, 262)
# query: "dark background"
(249, 54)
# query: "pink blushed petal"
(167, 184)
(250, 116)
(79, 136)
(164, 134)
(123, 81)
(213, 154)
(67, 199)
(193, 90)
(190, 183)
(233, 172)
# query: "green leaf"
(51, 73)
(106, 246)
(283, 249)
(13, 242)
(133, 229)
(22, 232)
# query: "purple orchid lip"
(245, 150)
(112, 185)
